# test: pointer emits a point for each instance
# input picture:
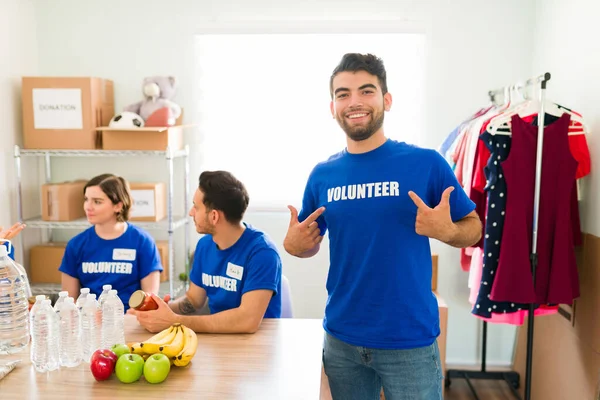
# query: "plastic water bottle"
(61, 298)
(14, 305)
(34, 353)
(38, 301)
(54, 337)
(101, 300)
(89, 327)
(113, 319)
(83, 293)
(44, 338)
(69, 339)
(102, 297)
(98, 321)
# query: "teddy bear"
(158, 92)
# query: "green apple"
(157, 368)
(120, 349)
(129, 368)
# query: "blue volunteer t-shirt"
(379, 281)
(122, 262)
(252, 263)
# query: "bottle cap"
(63, 293)
(84, 290)
(106, 287)
(5, 247)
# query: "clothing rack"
(512, 378)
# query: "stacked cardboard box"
(63, 201)
(65, 112)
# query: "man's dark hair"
(223, 192)
(353, 62)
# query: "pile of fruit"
(151, 358)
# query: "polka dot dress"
(499, 146)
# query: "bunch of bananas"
(178, 342)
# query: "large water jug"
(23, 273)
(14, 305)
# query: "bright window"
(264, 104)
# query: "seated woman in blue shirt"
(111, 251)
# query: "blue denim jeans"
(359, 373)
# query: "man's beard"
(359, 133)
(207, 228)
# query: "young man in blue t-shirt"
(381, 201)
(236, 266)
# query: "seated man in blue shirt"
(235, 265)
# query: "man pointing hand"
(437, 223)
(303, 238)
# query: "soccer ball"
(126, 119)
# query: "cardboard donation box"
(145, 138)
(149, 201)
(163, 251)
(44, 261)
(63, 201)
(64, 112)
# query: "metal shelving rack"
(170, 224)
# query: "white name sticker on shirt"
(235, 271)
(124, 254)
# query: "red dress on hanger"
(557, 280)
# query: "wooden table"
(280, 361)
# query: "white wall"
(566, 45)
(18, 46)
(468, 54)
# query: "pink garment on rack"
(477, 159)
(475, 274)
(465, 260)
(477, 193)
(459, 156)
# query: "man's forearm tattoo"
(186, 306)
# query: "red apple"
(102, 364)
